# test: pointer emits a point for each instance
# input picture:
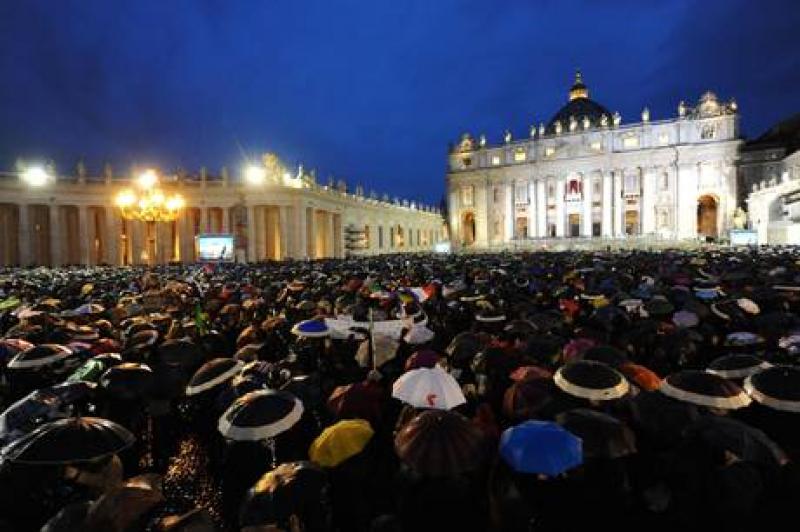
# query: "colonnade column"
(608, 207)
(85, 239)
(251, 233)
(24, 237)
(300, 231)
(56, 230)
(587, 205)
(226, 220)
(283, 222)
(112, 237)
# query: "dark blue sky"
(369, 91)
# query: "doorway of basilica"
(468, 229)
(574, 225)
(707, 217)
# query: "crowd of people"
(544, 391)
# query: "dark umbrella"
(40, 356)
(181, 352)
(528, 398)
(440, 443)
(297, 489)
(212, 374)
(591, 380)
(603, 436)
(128, 381)
(704, 389)
(749, 444)
(79, 439)
(661, 417)
(260, 415)
(464, 347)
(737, 366)
(777, 387)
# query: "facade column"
(185, 240)
(541, 208)
(560, 222)
(607, 206)
(24, 235)
(687, 180)
(587, 205)
(300, 231)
(251, 233)
(619, 204)
(533, 209)
(648, 201)
(510, 217)
(56, 235)
(85, 238)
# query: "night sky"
(368, 91)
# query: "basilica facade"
(586, 174)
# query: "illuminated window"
(521, 194)
(466, 196)
(630, 142)
(520, 156)
(495, 160)
(708, 132)
(467, 162)
(663, 139)
(549, 151)
(631, 184)
(596, 145)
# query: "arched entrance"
(707, 216)
(468, 229)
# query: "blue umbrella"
(540, 447)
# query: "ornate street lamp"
(150, 203)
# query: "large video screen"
(215, 247)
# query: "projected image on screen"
(216, 247)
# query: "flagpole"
(371, 341)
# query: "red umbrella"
(359, 400)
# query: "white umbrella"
(428, 388)
(419, 334)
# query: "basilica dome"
(578, 107)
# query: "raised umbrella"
(39, 406)
(777, 387)
(296, 490)
(260, 415)
(464, 347)
(128, 380)
(737, 366)
(440, 443)
(384, 349)
(357, 400)
(641, 376)
(524, 373)
(428, 388)
(603, 436)
(182, 352)
(70, 440)
(747, 443)
(591, 380)
(425, 358)
(540, 447)
(212, 374)
(527, 398)
(340, 441)
(704, 389)
(40, 356)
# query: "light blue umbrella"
(540, 447)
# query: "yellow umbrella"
(340, 441)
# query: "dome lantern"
(578, 89)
